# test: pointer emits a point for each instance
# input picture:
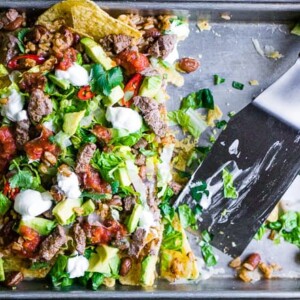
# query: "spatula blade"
(263, 154)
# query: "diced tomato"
(131, 89)
(31, 240)
(92, 181)
(132, 61)
(8, 147)
(36, 147)
(10, 192)
(69, 56)
(101, 234)
(102, 133)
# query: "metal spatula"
(261, 149)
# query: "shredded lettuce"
(5, 204)
(190, 120)
(187, 217)
(58, 273)
(172, 239)
(200, 99)
(207, 250)
(287, 227)
(229, 190)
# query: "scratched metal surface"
(226, 50)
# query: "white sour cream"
(14, 105)
(30, 203)
(22, 115)
(173, 56)
(147, 219)
(124, 118)
(76, 75)
(182, 31)
(291, 199)
(69, 185)
(77, 266)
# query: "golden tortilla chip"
(87, 18)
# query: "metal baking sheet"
(227, 50)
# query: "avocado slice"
(88, 207)
(150, 86)
(116, 94)
(71, 121)
(42, 226)
(2, 274)
(148, 270)
(123, 177)
(96, 53)
(134, 218)
(62, 83)
(105, 260)
(63, 211)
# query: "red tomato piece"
(10, 192)
(92, 181)
(31, 240)
(102, 133)
(132, 61)
(36, 147)
(8, 147)
(69, 56)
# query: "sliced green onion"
(237, 85)
(218, 79)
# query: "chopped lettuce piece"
(229, 190)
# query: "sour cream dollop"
(76, 75)
(77, 266)
(147, 219)
(182, 30)
(124, 118)
(30, 203)
(69, 185)
(14, 105)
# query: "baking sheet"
(227, 50)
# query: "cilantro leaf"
(230, 191)
(21, 34)
(5, 204)
(198, 190)
(200, 99)
(103, 81)
(22, 179)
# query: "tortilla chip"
(82, 15)
(133, 277)
(179, 264)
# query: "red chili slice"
(85, 93)
(131, 89)
(14, 63)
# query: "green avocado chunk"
(71, 121)
(88, 207)
(134, 218)
(150, 86)
(148, 270)
(42, 226)
(105, 261)
(96, 53)
(62, 83)
(64, 210)
(2, 274)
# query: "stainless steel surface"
(226, 50)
